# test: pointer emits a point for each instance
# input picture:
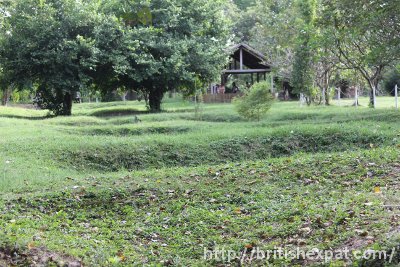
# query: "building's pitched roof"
(252, 58)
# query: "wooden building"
(243, 60)
(246, 60)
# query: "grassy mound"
(125, 131)
(278, 143)
(165, 189)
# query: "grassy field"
(115, 186)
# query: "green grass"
(103, 188)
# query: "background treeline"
(322, 44)
(55, 48)
(59, 47)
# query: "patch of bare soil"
(36, 257)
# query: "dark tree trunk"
(308, 100)
(155, 98)
(371, 98)
(4, 99)
(6, 96)
(373, 84)
(67, 104)
(327, 100)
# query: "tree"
(274, 32)
(175, 50)
(244, 21)
(366, 35)
(4, 31)
(255, 102)
(50, 46)
(303, 74)
(325, 62)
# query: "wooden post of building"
(396, 95)
(252, 79)
(258, 77)
(272, 83)
(265, 76)
(241, 59)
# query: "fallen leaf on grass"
(361, 232)
(121, 256)
(377, 190)
(252, 182)
(238, 210)
(31, 245)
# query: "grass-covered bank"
(159, 188)
(171, 215)
(42, 149)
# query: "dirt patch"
(36, 257)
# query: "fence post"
(356, 96)
(301, 99)
(374, 95)
(396, 94)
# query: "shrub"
(255, 102)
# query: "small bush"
(255, 102)
(21, 96)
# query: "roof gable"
(252, 58)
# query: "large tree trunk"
(67, 104)
(5, 98)
(372, 95)
(155, 98)
(327, 97)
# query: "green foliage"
(303, 75)
(367, 51)
(255, 102)
(243, 4)
(390, 80)
(50, 45)
(276, 32)
(172, 52)
(63, 46)
(23, 96)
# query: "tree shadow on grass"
(127, 112)
(118, 112)
(27, 117)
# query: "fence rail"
(219, 98)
